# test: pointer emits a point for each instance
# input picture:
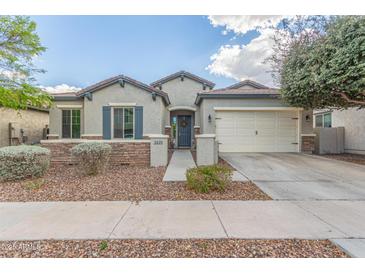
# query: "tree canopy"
(19, 46)
(320, 61)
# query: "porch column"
(206, 149)
(159, 150)
(167, 129)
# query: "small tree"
(19, 45)
(320, 61)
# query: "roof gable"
(247, 84)
(121, 79)
(183, 74)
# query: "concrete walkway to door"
(181, 161)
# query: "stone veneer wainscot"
(124, 152)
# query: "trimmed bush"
(205, 179)
(19, 162)
(92, 157)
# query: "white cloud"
(242, 62)
(60, 89)
(240, 24)
(14, 75)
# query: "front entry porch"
(182, 128)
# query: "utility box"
(206, 149)
(329, 140)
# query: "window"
(319, 120)
(327, 120)
(71, 123)
(173, 126)
(123, 123)
(324, 120)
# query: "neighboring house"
(246, 116)
(27, 125)
(353, 121)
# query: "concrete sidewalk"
(181, 160)
(182, 219)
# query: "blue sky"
(82, 50)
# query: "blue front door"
(184, 130)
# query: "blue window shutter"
(138, 122)
(107, 125)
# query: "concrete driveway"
(294, 176)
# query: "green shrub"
(35, 184)
(204, 179)
(19, 162)
(92, 157)
(103, 245)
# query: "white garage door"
(257, 131)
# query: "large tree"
(320, 61)
(19, 45)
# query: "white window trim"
(112, 122)
(322, 114)
(122, 104)
(70, 109)
(69, 106)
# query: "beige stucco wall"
(55, 116)
(153, 111)
(353, 120)
(307, 125)
(207, 107)
(32, 121)
(183, 93)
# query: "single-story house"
(22, 126)
(246, 117)
(353, 122)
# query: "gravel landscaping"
(119, 183)
(207, 248)
(347, 157)
(223, 162)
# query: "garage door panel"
(225, 131)
(285, 141)
(285, 123)
(262, 124)
(264, 114)
(243, 114)
(245, 123)
(287, 132)
(236, 148)
(245, 132)
(226, 123)
(266, 132)
(287, 114)
(286, 148)
(257, 131)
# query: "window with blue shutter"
(123, 122)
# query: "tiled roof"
(238, 93)
(248, 83)
(185, 74)
(64, 94)
(242, 91)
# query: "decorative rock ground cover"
(118, 183)
(347, 157)
(207, 248)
